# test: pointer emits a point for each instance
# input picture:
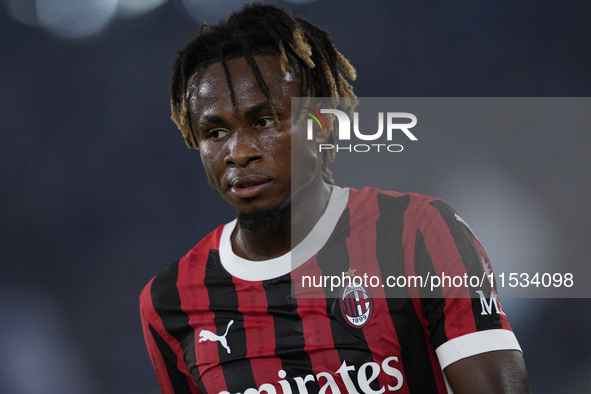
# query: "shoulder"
(166, 283)
(412, 205)
(371, 193)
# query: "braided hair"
(263, 29)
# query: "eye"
(217, 134)
(265, 122)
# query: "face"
(245, 153)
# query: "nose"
(243, 148)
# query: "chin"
(263, 220)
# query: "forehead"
(209, 87)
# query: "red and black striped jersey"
(217, 323)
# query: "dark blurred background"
(99, 192)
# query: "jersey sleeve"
(460, 309)
(171, 371)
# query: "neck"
(285, 228)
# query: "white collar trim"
(279, 266)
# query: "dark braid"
(264, 29)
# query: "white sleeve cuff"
(476, 343)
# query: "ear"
(195, 141)
(320, 123)
(322, 135)
(192, 142)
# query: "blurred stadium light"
(80, 19)
(132, 8)
(76, 19)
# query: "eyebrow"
(205, 119)
(251, 111)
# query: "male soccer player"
(228, 317)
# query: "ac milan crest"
(356, 305)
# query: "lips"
(249, 186)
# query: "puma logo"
(206, 335)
